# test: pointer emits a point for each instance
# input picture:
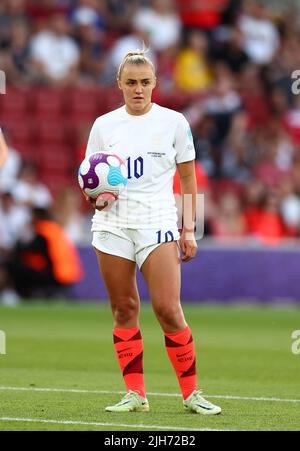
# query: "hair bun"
(141, 53)
(135, 57)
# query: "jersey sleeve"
(95, 142)
(184, 143)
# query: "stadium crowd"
(226, 64)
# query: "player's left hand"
(188, 245)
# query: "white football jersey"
(151, 145)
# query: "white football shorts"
(134, 245)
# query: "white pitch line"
(83, 423)
(246, 398)
(172, 395)
(65, 390)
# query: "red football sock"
(181, 350)
(129, 350)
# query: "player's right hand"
(103, 201)
(93, 203)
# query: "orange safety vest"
(67, 268)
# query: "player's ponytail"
(137, 57)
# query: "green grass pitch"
(243, 354)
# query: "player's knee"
(125, 309)
(170, 316)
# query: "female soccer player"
(141, 229)
(3, 149)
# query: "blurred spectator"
(218, 108)
(9, 172)
(90, 13)
(287, 59)
(230, 222)
(255, 195)
(255, 98)
(280, 106)
(54, 55)
(265, 218)
(270, 228)
(120, 14)
(201, 13)
(40, 10)
(11, 12)
(13, 221)
(161, 22)
(237, 158)
(291, 121)
(124, 45)
(66, 211)
(290, 207)
(276, 156)
(261, 38)
(165, 70)
(44, 266)
(19, 50)
(29, 191)
(232, 52)
(14, 35)
(203, 130)
(90, 39)
(193, 73)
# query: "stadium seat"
(219, 187)
(48, 103)
(28, 152)
(77, 119)
(83, 101)
(48, 132)
(55, 158)
(77, 131)
(113, 99)
(15, 102)
(13, 117)
(55, 180)
(19, 131)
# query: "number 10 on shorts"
(169, 237)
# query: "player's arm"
(188, 184)
(3, 149)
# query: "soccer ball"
(103, 177)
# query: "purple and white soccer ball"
(102, 175)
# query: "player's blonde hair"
(136, 58)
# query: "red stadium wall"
(48, 126)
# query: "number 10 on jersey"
(135, 168)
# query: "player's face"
(137, 84)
